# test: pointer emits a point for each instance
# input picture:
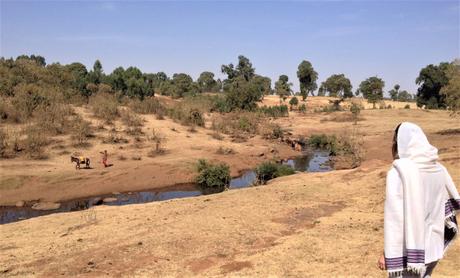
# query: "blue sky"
(390, 39)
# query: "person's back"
(434, 182)
(420, 205)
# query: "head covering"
(413, 145)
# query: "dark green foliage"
(404, 96)
(407, 106)
(243, 94)
(293, 101)
(337, 85)
(307, 78)
(394, 92)
(207, 83)
(283, 87)
(323, 141)
(269, 170)
(275, 111)
(431, 80)
(303, 108)
(212, 176)
(372, 89)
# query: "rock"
(97, 201)
(46, 206)
(20, 204)
(109, 200)
(261, 154)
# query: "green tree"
(337, 85)
(206, 82)
(431, 80)
(404, 96)
(97, 74)
(283, 87)
(307, 78)
(264, 83)
(394, 92)
(243, 69)
(243, 94)
(79, 77)
(372, 89)
(451, 91)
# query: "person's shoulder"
(393, 173)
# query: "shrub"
(407, 106)
(293, 102)
(8, 113)
(269, 170)
(275, 111)
(323, 141)
(212, 176)
(53, 118)
(277, 131)
(131, 119)
(186, 115)
(81, 131)
(105, 106)
(355, 110)
(158, 138)
(148, 106)
(35, 142)
(237, 123)
(303, 108)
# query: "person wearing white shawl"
(420, 206)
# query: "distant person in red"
(104, 158)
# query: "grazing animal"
(80, 160)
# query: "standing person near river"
(104, 158)
(420, 206)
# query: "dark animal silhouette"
(80, 160)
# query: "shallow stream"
(318, 161)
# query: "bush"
(81, 131)
(303, 108)
(237, 123)
(186, 115)
(407, 106)
(213, 176)
(275, 111)
(293, 102)
(105, 106)
(277, 131)
(148, 106)
(323, 141)
(355, 110)
(8, 113)
(270, 170)
(133, 122)
(159, 139)
(53, 118)
(35, 142)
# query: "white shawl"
(405, 243)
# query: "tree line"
(242, 87)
